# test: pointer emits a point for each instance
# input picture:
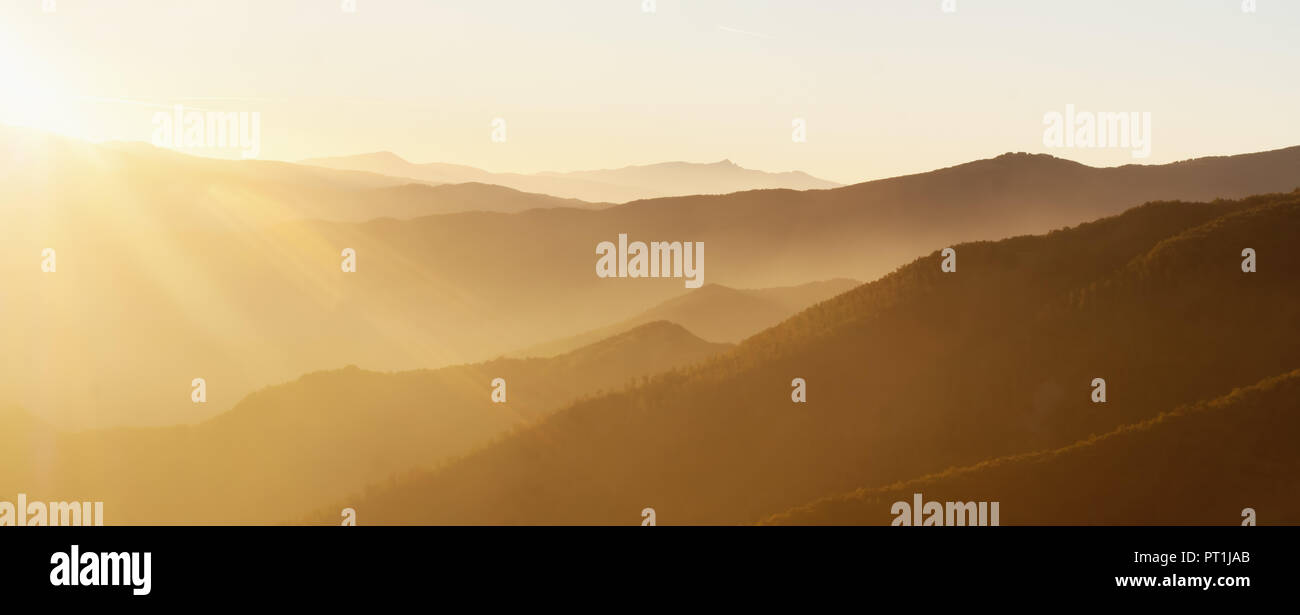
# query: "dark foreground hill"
(1201, 464)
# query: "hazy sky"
(886, 86)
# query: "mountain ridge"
(713, 312)
(615, 185)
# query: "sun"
(31, 99)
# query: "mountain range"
(971, 384)
(606, 185)
(922, 371)
(173, 267)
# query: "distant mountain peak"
(350, 161)
(386, 156)
(1027, 156)
(621, 185)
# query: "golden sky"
(885, 87)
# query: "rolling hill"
(56, 185)
(294, 447)
(713, 312)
